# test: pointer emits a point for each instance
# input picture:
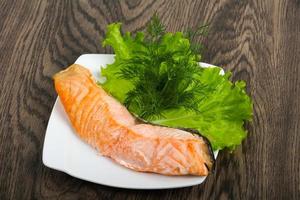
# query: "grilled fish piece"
(107, 125)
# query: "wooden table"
(259, 41)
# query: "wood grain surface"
(258, 40)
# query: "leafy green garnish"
(157, 76)
(222, 111)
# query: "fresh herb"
(191, 34)
(157, 77)
(160, 71)
(155, 29)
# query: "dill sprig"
(155, 29)
(163, 79)
(191, 34)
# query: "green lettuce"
(123, 47)
(221, 112)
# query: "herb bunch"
(163, 78)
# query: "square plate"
(65, 151)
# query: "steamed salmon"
(105, 124)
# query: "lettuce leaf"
(123, 47)
(221, 112)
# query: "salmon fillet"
(105, 124)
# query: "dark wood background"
(258, 40)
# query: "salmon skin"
(107, 125)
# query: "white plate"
(66, 152)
